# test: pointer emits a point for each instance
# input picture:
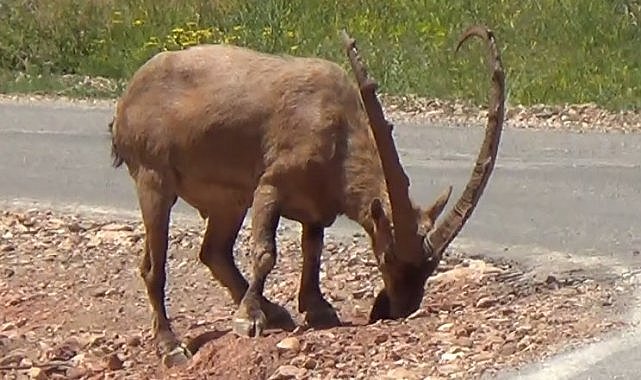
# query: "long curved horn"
(403, 213)
(447, 230)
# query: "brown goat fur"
(226, 128)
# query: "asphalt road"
(555, 200)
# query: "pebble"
(286, 372)
(484, 302)
(113, 362)
(310, 363)
(401, 373)
(381, 338)
(134, 341)
(291, 344)
(508, 349)
(36, 373)
(445, 327)
(116, 227)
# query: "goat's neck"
(365, 180)
(365, 183)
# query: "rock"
(7, 248)
(552, 282)
(401, 373)
(508, 311)
(134, 341)
(310, 364)
(464, 342)
(291, 344)
(28, 222)
(485, 302)
(358, 294)
(13, 358)
(78, 360)
(483, 356)
(37, 373)
(285, 372)
(445, 327)
(451, 356)
(74, 227)
(99, 291)
(76, 373)
(116, 227)
(91, 339)
(8, 326)
(464, 331)
(508, 349)
(449, 369)
(524, 343)
(113, 362)
(381, 338)
(420, 313)
(523, 330)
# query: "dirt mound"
(234, 357)
(73, 306)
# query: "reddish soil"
(73, 306)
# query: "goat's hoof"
(322, 318)
(250, 322)
(176, 357)
(278, 317)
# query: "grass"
(555, 51)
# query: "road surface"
(555, 199)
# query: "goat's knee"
(144, 268)
(264, 262)
(206, 256)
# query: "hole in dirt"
(200, 340)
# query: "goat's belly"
(214, 199)
(309, 214)
(310, 190)
(309, 204)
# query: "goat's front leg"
(318, 312)
(250, 319)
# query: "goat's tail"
(117, 159)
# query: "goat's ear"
(432, 213)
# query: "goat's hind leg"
(156, 200)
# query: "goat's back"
(227, 115)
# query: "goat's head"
(408, 244)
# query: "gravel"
(73, 306)
(579, 118)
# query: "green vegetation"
(555, 51)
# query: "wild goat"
(227, 128)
